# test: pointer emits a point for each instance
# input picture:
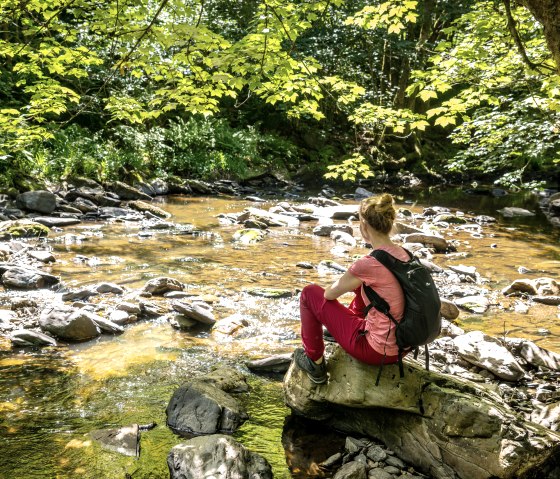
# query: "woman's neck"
(378, 240)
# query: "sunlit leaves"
(350, 168)
(392, 15)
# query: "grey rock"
(424, 417)
(249, 235)
(227, 379)
(103, 324)
(42, 256)
(27, 278)
(52, 221)
(79, 294)
(376, 453)
(129, 307)
(352, 470)
(160, 186)
(437, 242)
(332, 461)
(180, 321)
(362, 193)
(126, 192)
(512, 212)
(326, 230)
(474, 304)
(197, 311)
(41, 201)
(162, 285)
(121, 317)
(124, 440)
(486, 352)
(449, 309)
(278, 363)
(379, 473)
(26, 337)
(202, 408)
(343, 238)
(109, 288)
(60, 321)
(395, 462)
(216, 457)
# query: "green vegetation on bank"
(214, 89)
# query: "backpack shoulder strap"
(387, 259)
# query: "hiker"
(369, 339)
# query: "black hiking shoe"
(316, 372)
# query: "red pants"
(346, 324)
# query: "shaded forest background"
(451, 91)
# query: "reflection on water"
(51, 399)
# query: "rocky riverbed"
(43, 307)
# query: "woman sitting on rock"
(369, 339)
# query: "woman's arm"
(346, 283)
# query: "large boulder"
(447, 427)
(203, 408)
(126, 192)
(41, 201)
(20, 277)
(63, 322)
(217, 457)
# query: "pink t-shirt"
(381, 280)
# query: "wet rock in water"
(60, 321)
(483, 219)
(539, 287)
(22, 229)
(200, 312)
(216, 456)
(124, 440)
(252, 223)
(450, 218)
(124, 214)
(272, 219)
(432, 241)
(85, 205)
(273, 293)
(278, 363)
(488, 353)
(27, 278)
(55, 221)
(249, 236)
(121, 317)
(229, 327)
(327, 230)
(181, 322)
(328, 266)
(533, 354)
(449, 309)
(405, 229)
(464, 270)
(129, 307)
(547, 287)
(42, 256)
(79, 294)
(256, 199)
(143, 206)
(202, 408)
(227, 379)
(162, 285)
(361, 193)
(521, 286)
(151, 310)
(41, 201)
(341, 212)
(26, 337)
(549, 300)
(103, 324)
(450, 329)
(343, 238)
(102, 288)
(305, 265)
(474, 304)
(512, 212)
(126, 192)
(160, 186)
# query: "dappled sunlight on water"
(51, 399)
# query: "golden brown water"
(50, 400)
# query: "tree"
(547, 12)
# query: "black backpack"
(421, 321)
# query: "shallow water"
(51, 399)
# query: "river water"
(51, 399)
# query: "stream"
(52, 398)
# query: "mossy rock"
(22, 229)
(249, 236)
(143, 206)
(274, 293)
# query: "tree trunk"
(547, 12)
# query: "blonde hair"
(379, 212)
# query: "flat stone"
(54, 221)
(42, 255)
(124, 440)
(25, 337)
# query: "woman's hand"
(346, 283)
